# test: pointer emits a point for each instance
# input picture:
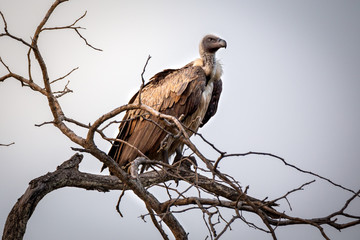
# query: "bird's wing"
(213, 102)
(174, 92)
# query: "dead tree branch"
(289, 165)
(68, 175)
(221, 190)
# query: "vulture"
(190, 93)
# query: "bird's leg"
(165, 155)
(185, 161)
(177, 159)
(134, 166)
(178, 155)
(164, 148)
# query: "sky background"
(291, 87)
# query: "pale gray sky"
(291, 87)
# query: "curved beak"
(222, 43)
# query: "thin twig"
(7, 145)
(156, 224)
(71, 26)
(76, 29)
(44, 123)
(10, 35)
(119, 200)
(292, 191)
(66, 90)
(66, 75)
(290, 165)
(142, 78)
(29, 64)
(3, 63)
(86, 41)
(226, 227)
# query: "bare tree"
(214, 190)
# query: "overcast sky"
(291, 87)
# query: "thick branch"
(224, 188)
(66, 175)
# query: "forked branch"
(221, 190)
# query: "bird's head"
(211, 43)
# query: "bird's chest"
(194, 121)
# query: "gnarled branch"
(222, 190)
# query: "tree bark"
(68, 175)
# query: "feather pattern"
(175, 92)
(192, 92)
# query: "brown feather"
(213, 102)
(174, 92)
(192, 91)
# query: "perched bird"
(190, 93)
